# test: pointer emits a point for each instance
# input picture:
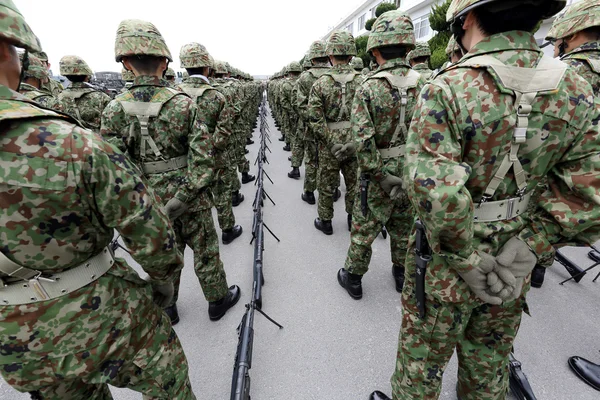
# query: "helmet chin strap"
(24, 68)
(457, 30)
(562, 48)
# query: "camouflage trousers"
(329, 180)
(481, 334)
(221, 194)
(298, 147)
(197, 230)
(242, 162)
(311, 166)
(365, 230)
(148, 359)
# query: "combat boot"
(172, 313)
(337, 194)
(324, 226)
(282, 138)
(398, 274)
(294, 173)
(287, 148)
(349, 222)
(290, 158)
(309, 197)
(249, 142)
(236, 198)
(247, 178)
(246, 151)
(350, 282)
(377, 395)
(216, 309)
(537, 276)
(230, 235)
(586, 370)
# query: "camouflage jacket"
(457, 141)
(305, 82)
(288, 101)
(424, 70)
(176, 131)
(375, 118)
(63, 191)
(44, 98)
(582, 59)
(53, 86)
(84, 102)
(215, 113)
(325, 105)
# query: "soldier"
(470, 169)
(162, 134)
(453, 51)
(81, 99)
(289, 106)
(170, 77)
(128, 77)
(34, 75)
(74, 317)
(329, 108)
(419, 59)
(217, 115)
(319, 66)
(381, 113)
(51, 85)
(358, 64)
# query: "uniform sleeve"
(223, 130)
(436, 178)
(316, 114)
(200, 159)
(110, 125)
(302, 96)
(119, 195)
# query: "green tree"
(382, 8)
(361, 49)
(439, 42)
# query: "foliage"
(361, 49)
(369, 23)
(384, 7)
(439, 42)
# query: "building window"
(350, 28)
(422, 26)
(361, 22)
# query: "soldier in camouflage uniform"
(81, 99)
(453, 51)
(291, 119)
(160, 130)
(381, 113)
(31, 87)
(51, 85)
(319, 66)
(170, 77)
(358, 64)
(329, 108)
(128, 77)
(88, 320)
(419, 59)
(217, 115)
(471, 167)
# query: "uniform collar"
(8, 94)
(145, 80)
(200, 76)
(511, 40)
(589, 46)
(346, 68)
(394, 63)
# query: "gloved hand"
(477, 279)
(392, 185)
(175, 208)
(336, 148)
(516, 260)
(162, 293)
(501, 282)
(346, 151)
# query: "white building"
(419, 11)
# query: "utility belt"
(41, 287)
(172, 164)
(336, 126)
(393, 152)
(501, 210)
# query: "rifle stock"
(573, 269)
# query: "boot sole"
(342, 285)
(230, 241)
(294, 176)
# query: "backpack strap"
(593, 63)
(343, 80)
(195, 93)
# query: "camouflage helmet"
(14, 28)
(421, 50)
(392, 28)
(220, 67)
(35, 69)
(185, 75)
(306, 64)
(136, 37)
(294, 67)
(452, 47)
(73, 65)
(580, 16)
(170, 73)
(127, 75)
(317, 50)
(357, 63)
(341, 43)
(42, 56)
(458, 8)
(194, 55)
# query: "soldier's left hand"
(175, 208)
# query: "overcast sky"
(258, 37)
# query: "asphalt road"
(336, 348)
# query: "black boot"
(350, 282)
(586, 370)
(324, 226)
(377, 395)
(247, 178)
(236, 198)
(398, 274)
(246, 151)
(349, 222)
(309, 197)
(230, 235)
(287, 147)
(172, 313)
(290, 158)
(216, 309)
(537, 276)
(249, 141)
(294, 173)
(282, 139)
(337, 194)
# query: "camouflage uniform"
(127, 77)
(454, 149)
(177, 134)
(170, 77)
(107, 331)
(329, 119)
(380, 136)
(50, 85)
(421, 50)
(291, 121)
(81, 99)
(45, 98)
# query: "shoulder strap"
(195, 93)
(593, 63)
(25, 109)
(343, 80)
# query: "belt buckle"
(484, 199)
(38, 289)
(510, 207)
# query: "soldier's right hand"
(163, 294)
(392, 185)
(175, 208)
(477, 279)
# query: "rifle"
(240, 382)
(518, 382)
